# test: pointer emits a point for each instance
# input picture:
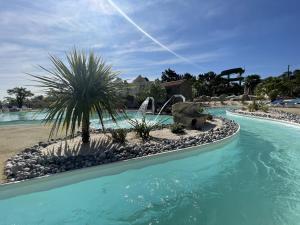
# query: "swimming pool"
(253, 180)
(13, 118)
(31, 117)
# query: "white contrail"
(148, 35)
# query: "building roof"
(140, 79)
(173, 83)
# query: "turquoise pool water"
(13, 118)
(253, 180)
(17, 118)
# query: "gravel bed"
(32, 163)
(272, 114)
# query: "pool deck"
(14, 138)
(289, 110)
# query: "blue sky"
(146, 37)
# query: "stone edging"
(31, 163)
(250, 115)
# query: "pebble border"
(31, 163)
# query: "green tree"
(211, 84)
(158, 92)
(142, 95)
(38, 102)
(20, 95)
(85, 85)
(204, 84)
(277, 86)
(270, 86)
(251, 82)
(188, 76)
(10, 101)
(296, 73)
(170, 75)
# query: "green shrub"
(209, 117)
(252, 107)
(263, 107)
(260, 97)
(142, 127)
(200, 110)
(244, 99)
(273, 94)
(177, 128)
(119, 135)
(222, 98)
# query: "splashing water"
(167, 102)
(143, 108)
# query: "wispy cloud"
(150, 36)
(135, 36)
(141, 46)
(199, 58)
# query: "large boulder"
(189, 114)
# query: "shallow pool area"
(25, 117)
(36, 117)
(255, 179)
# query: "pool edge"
(44, 183)
(283, 122)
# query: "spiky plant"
(81, 87)
(143, 127)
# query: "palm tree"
(85, 85)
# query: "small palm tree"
(83, 86)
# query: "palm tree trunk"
(85, 130)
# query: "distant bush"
(263, 107)
(209, 117)
(177, 128)
(200, 110)
(119, 135)
(260, 97)
(244, 99)
(273, 94)
(254, 106)
(222, 98)
(202, 98)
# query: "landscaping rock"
(189, 114)
(272, 114)
(32, 163)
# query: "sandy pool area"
(15, 138)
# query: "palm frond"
(82, 86)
